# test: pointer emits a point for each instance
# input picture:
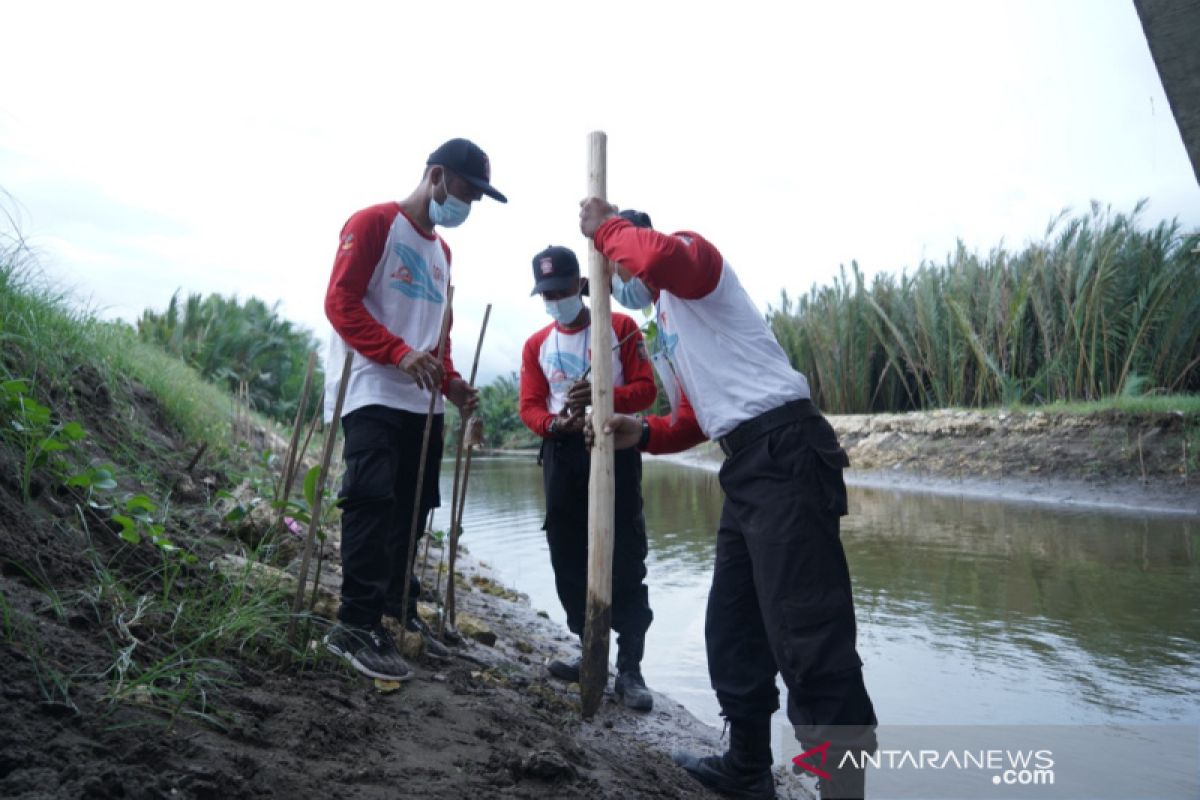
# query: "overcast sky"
(219, 147)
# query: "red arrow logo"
(823, 749)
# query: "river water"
(969, 612)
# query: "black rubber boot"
(630, 689)
(745, 769)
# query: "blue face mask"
(632, 293)
(450, 214)
(566, 310)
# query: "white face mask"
(566, 310)
(451, 213)
(632, 293)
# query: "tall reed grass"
(1101, 307)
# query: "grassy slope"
(164, 631)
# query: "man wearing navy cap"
(385, 301)
(554, 392)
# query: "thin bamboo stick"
(428, 539)
(289, 464)
(416, 514)
(457, 502)
(315, 511)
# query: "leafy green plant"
(94, 479)
(37, 435)
(301, 509)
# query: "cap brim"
(556, 284)
(485, 187)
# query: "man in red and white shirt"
(554, 392)
(781, 597)
(386, 300)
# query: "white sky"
(219, 147)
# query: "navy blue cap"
(464, 158)
(554, 269)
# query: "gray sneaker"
(369, 650)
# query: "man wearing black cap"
(781, 598)
(554, 392)
(385, 301)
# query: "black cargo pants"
(382, 452)
(566, 467)
(781, 598)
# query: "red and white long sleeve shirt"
(386, 297)
(728, 362)
(555, 357)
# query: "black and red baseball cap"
(464, 157)
(554, 269)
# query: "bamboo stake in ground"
(598, 620)
(457, 501)
(289, 464)
(315, 511)
(415, 525)
(428, 539)
(451, 609)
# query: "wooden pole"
(315, 520)
(457, 501)
(598, 620)
(415, 524)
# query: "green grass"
(215, 624)
(178, 633)
(47, 340)
(198, 408)
(1186, 404)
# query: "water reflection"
(969, 611)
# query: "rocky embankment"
(1107, 459)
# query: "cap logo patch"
(547, 265)
(487, 169)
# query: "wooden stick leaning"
(315, 511)
(289, 465)
(598, 619)
(415, 525)
(458, 501)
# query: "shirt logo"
(562, 369)
(348, 241)
(413, 277)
